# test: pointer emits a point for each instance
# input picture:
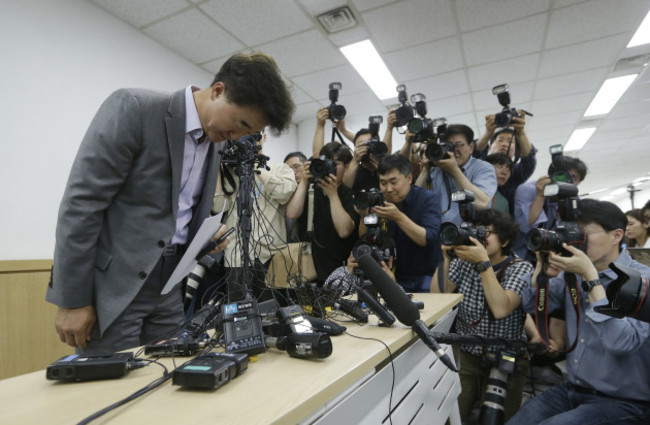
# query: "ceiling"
(554, 54)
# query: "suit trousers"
(148, 318)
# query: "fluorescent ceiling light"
(619, 191)
(366, 60)
(579, 138)
(642, 34)
(610, 92)
(606, 197)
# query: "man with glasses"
(461, 171)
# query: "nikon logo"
(540, 301)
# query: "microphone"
(352, 309)
(400, 304)
(314, 345)
(375, 306)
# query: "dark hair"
(360, 133)
(336, 152)
(571, 163)
(397, 162)
(461, 129)
(502, 224)
(637, 213)
(301, 156)
(499, 159)
(646, 206)
(604, 213)
(255, 80)
(501, 130)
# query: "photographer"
(334, 220)
(413, 216)
(608, 369)
(533, 209)
(490, 278)
(461, 171)
(296, 229)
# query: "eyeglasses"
(488, 232)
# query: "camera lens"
(361, 200)
(502, 119)
(403, 114)
(377, 148)
(415, 125)
(448, 233)
(435, 152)
(337, 112)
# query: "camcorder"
(420, 126)
(336, 112)
(321, 167)
(568, 231)
(438, 150)
(375, 146)
(450, 234)
(404, 113)
(504, 118)
(627, 295)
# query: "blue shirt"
(423, 208)
(612, 355)
(478, 172)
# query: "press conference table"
(276, 389)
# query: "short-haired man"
(608, 370)
(413, 217)
(533, 209)
(461, 171)
(335, 220)
(490, 278)
(503, 169)
(140, 187)
(296, 228)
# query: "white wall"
(61, 58)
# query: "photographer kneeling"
(490, 278)
(413, 220)
(609, 368)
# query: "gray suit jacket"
(120, 203)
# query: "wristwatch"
(588, 285)
(482, 266)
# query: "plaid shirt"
(473, 311)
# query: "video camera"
(504, 118)
(403, 114)
(375, 146)
(244, 150)
(437, 151)
(566, 196)
(336, 112)
(321, 167)
(450, 234)
(421, 126)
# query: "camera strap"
(445, 179)
(541, 309)
(310, 211)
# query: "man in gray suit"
(141, 185)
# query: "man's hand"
(222, 246)
(329, 186)
(472, 253)
(321, 116)
(391, 119)
(448, 165)
(490, 126)
(74, 325)
(578, 263)
(388, 211)
(306, 172)
(388, 271)
(539, 185)
(360, 149)
(518, 123)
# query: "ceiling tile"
(577, 82)
(352, 35)
(362, 5)
(256, 22)
(440, 86)
(317, 7)
(425, 59)
(580, 57)
(193, 35)
(474, 14)
(593, 19)
(142, 12)
(420, 20)
(511, 71)
(316, 84)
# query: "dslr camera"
(404, 113)
(568, 231)
(336, 112)
(321, 167)
(437, 151)
(421, 126)
(504, 118)
(450, 234)
(375, 146)
(369, 199)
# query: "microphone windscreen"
(397, 300)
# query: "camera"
(437, 151)
(246, 149)
(375, 146)
(559, 172)
(504, 118)
(627, 295)
(375, 243)
(450, 234)
(321, 167)
(404, 113)
(551, 240)
(422, 127)
(369, 199)
(336, 112)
